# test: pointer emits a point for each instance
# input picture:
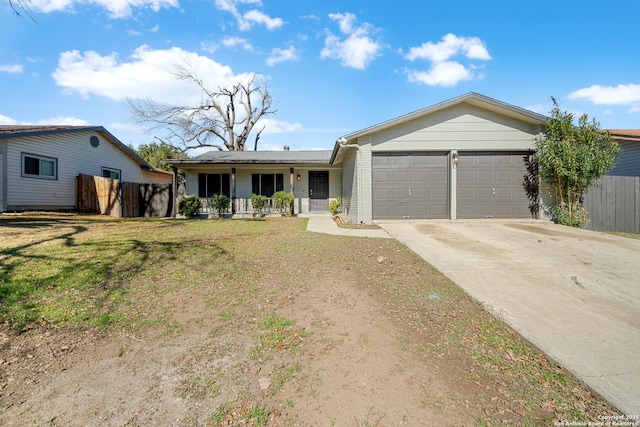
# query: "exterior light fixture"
(455, 159)
(298, 177)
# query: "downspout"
(342, 143)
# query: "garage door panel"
(490, 186)
(424, 174)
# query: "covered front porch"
(238, 175)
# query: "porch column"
(291, 179)
(175, 191)
(233, 191)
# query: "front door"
(319, 191)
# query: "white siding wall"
(628, 163)
(74, 155)
(462, 127)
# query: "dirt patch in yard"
(221, 323)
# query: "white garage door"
(410, 186)
(490, 186)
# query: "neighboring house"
(39, 164)
(628, 163)
(462, 158)
(238, 174)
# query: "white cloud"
(237, 41)
(444, 74)
(272, 126)
(358, 49)
(450, 46)
(280, 55)
(253, 16)
(148, 73)
(634, 109)
(4, 120)
(443, 70)
(11, 68)
(539, 108)
(609, 95)
(117, 8)
(58, 120)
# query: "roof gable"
(21, 131)
(472, 98)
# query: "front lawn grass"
(87, 272)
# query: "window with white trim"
(265, 184)
(35, 166)
(111, 173)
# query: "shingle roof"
(12, 131)
(258, 157)
(625, 133)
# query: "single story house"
(39, 164)
(462, 158)
(238, 174)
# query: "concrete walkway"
(323, 223)
(574, 294)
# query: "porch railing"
(243, 206)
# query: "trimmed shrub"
(258, 203)
(283, 201)
(335, 206)
(189, 206)
(220, 203)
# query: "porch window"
(34, 166)
(214, 183)
(265, 184)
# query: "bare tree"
(224, 119)
(21, 8)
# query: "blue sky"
(334, 67)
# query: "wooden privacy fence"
(123, 199)
(614, 205)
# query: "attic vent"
(94, 141)
(286, 148)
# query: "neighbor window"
(111, 173)
(214, 183)
(265, 184)
(34, 166)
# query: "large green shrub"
(258, 203)
(283, 201)
(220, 203)
(189, 206)
(572, 158)
(335, 206)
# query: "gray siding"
(74, 156)
(462, 127)
(628, 163)
(350, 185)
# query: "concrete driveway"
(575, 294)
